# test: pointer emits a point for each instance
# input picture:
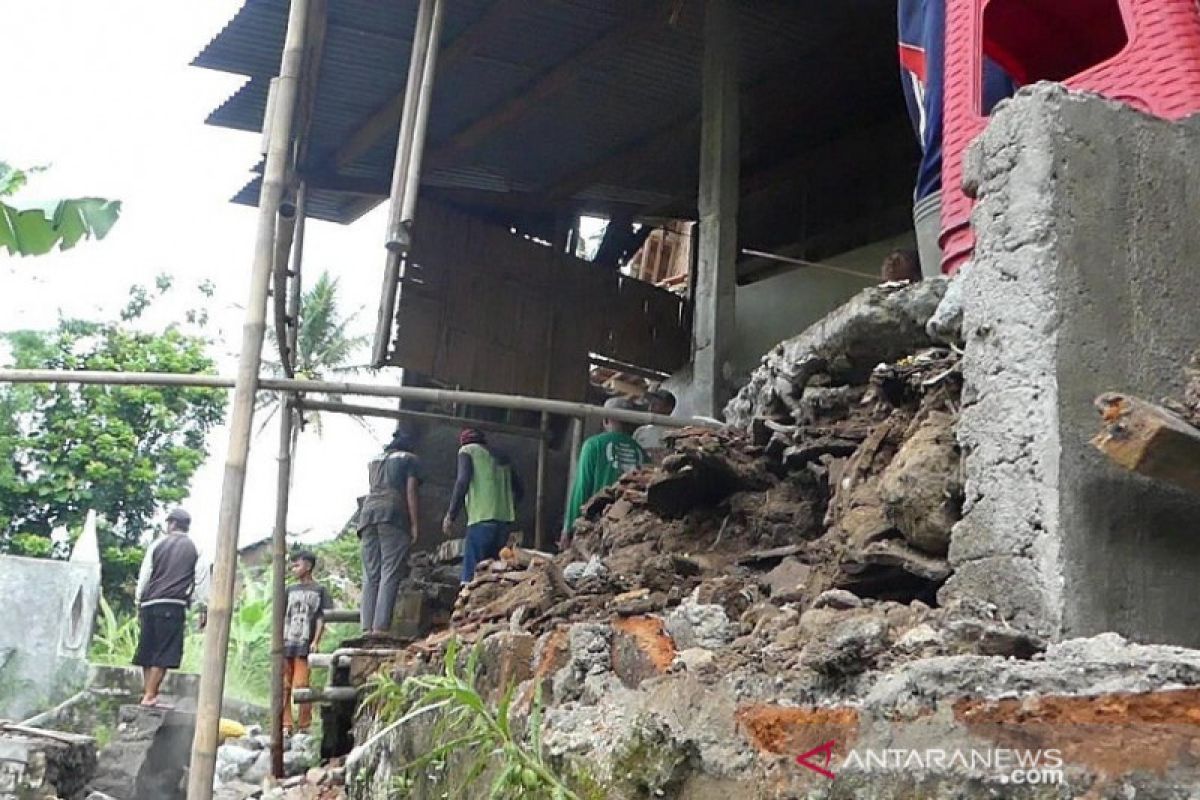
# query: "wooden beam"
(638, 24)
(1148, 439)
(443, 419)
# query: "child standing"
(303, 625)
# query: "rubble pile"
(814, 535)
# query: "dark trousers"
(385, 563)
(484, 540)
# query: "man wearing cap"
(388, 525)
(650, 437)
(170, 578)
(489, 488)
(603, 459)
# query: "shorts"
(160, 643)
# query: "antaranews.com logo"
(1003, 765)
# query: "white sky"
(102, 92)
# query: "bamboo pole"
(285, 229)
(576, 446)
(396, 240)
(409, 120)
(297, 285)
(512, 402)
(279, 581)
(393, 413)
(412, 187)
(216, 637)
(540, 538)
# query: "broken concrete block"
(878, 324)
(922, 637)
(694, 624)
(45, 765)
(641, 649)
(847, 648)
(695, 659)
(837, 599)
(148, 755)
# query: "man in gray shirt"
(388, 525)
(170, 578)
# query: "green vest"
(490, 495)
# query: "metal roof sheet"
(837, 61)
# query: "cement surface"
(1082, 283)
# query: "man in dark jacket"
(170, 578)
(490, 489)
(388, 524)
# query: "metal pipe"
(330, 694)
(279, 583)
(563, 408)
(216, 638)
(327, 660)
(342, 615)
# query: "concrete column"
(714, 323)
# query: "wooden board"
(1149, 440)
(488, 310)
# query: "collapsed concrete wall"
(1081, 283)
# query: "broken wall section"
(1083, 281)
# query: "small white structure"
(44, 641)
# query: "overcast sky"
(102, 92)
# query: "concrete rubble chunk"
(45, 764)
(148, 754)
(847, 647)
(695, 624)
(879, 324)
(837, 599)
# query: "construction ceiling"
(545, 108)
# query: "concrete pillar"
(1082, 282)
(713, 327)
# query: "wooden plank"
(1148, 439)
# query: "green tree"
(36, 229)
(125, 451)
(324, 347)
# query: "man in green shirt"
(489, 488)
(603, 459)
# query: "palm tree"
(324, 348)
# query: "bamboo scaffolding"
(397, 238)
(562, 408)
(540, 539)
(279, 580)
(216, 637)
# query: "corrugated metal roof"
(628, 94)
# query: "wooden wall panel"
(487, 310)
